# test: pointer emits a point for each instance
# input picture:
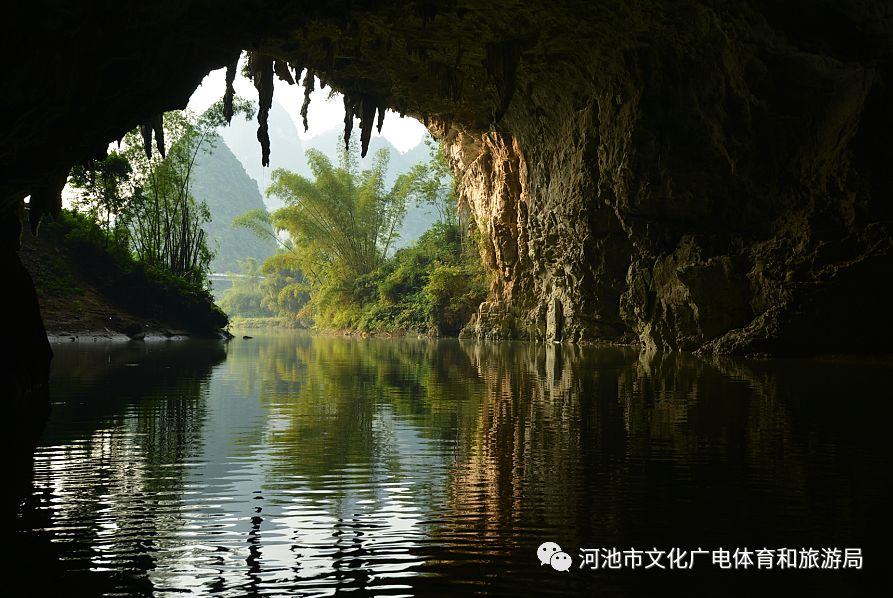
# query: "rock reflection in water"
(602, 447)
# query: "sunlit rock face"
(720, 189)
(684, 175)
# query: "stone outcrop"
(695, 175)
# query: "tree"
(337, 268)
(432, 184)
(284, 290)
(245, 297)
(341, 226)
(101, 188)
(164, 220)
(342, 223)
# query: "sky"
(404, 133)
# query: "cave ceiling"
(80, 75)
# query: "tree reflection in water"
(113, 457)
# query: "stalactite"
(329, 48)
(363, 106)
(308, 89)
(349, 108)
(449, 80)
(146, 132)
(260, 67)
(382, 108)
(157, 123)
(281, 69)
(368, 106)
(419, 53)
(230, 90)
(427, 13)
(459, 52)
(502, 66)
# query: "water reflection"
(611, 447)
(391, 467)
(113, 459)
(338, 466)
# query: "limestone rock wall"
(727, 198)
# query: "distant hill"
(287, 151)
(220, 181)
(415, 155)
(329, 141)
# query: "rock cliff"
(720, 191)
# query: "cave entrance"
(428, 277)
(308, 118)
(656, 111)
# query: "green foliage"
(147, 290)
(164, 219)
(432, 286)
(432, 184)
(435, 285)
(284, 289)
(243, 302)
(277, 288)
(452, 296)
(342, 223)
(145, 205)
(101, 190)
(139, 227)
(245, 322)
(244, 297)
(336, 271)
(257, 221)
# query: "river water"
(313, 466)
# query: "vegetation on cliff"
(221, 182)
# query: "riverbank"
(259, 324)
(106, 335)
(86, 293)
